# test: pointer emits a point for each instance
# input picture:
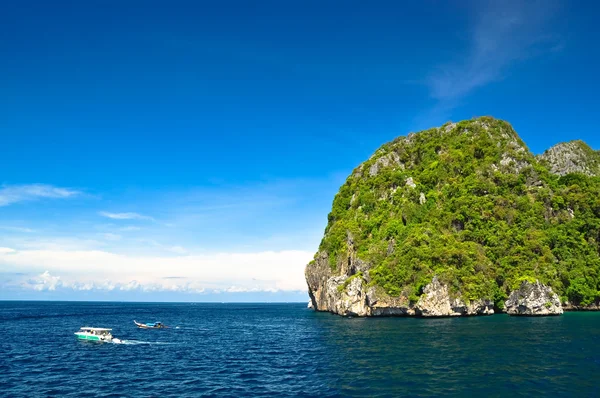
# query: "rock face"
(346, 296)
(436, 302)
(590, 307)
(533, 299)
(572, 157)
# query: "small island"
(463, 220)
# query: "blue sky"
(191, 150)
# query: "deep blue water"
(286, 350)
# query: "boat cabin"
(96, 331)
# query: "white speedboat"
(95, 334)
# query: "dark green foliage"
(492, 216)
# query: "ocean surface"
(270, 350)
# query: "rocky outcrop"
(572, 157)
(533, 299)
(381, 304)
(317, 273)
(347, 296)
(343, 294)
(388, 160)
(567, 306)
(436, 302)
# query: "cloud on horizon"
(85, 270)
(10, 194)
(219, 239)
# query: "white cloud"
(131, 285)
(94, 269)
(45, 281)
(504, 33)
(10, 194)
(125, 216)
(6, 250)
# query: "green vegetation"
(468, 202)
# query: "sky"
(190, 150)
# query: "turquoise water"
(286, 350)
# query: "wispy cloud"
(10, 194)
(125, 216)
(129, 228)
(504, 32)
(110, 236)
(16, 229)
(59, 243)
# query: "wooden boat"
(154, 325)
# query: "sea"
(287, 350)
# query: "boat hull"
(91, 337)
(144, 326)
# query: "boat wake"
(191, 328)
(138, 342)
(184, 328)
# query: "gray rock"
(390, 159)
(572, 157)
(317, 273)
(410, 183)
(449, 127)
(513, 164)
(572, 307)
(533, 299)
(436, 302)
(381, 304)
(347, 298)
(350, 295)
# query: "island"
(463, 220)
